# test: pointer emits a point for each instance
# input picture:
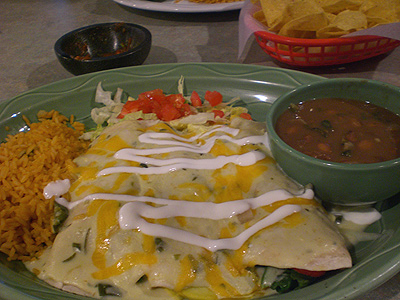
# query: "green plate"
(374, 262)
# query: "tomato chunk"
(129, 107)
(153, 94)
(218, 113)
(176, 100)
(168, 113)
(185, 110)
(195, 99)
(310, 273)
(167, 108)
(214, 98)
(245, 116)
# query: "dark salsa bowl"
(103, 46)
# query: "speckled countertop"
(29, 29)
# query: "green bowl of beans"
(342, 136)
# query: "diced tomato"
(214, 98)
(195, 99)
(218, 113)
(169, 113)
(176, 100)
(167, 108)
(153, 94)
(130, 106)
(185, 110)
(310, 273)
(153, 105)
(245, 116)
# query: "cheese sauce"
(154, 202)
(131, 214)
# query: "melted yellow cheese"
(196, 192)
(121, 257)
(148, 244)
(216, 281)
(187, 272)
(106, 221)
(112, 144)
(124, 264)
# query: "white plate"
(183, 6)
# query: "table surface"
(29, 29)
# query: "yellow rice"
(28, 162)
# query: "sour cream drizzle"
(131, 218)
(132, 214)
(56, 188)
(150, 137)
(208, 210)
(183, 144)
(163, 166)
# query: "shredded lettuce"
(269, 275)
(105, 98)
(283, 280)
(107, 115)
(111, 108)
(200, 118)
(137, 115)
(181, 84)
(92, 134)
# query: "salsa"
(341, 130)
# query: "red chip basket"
(323, 52)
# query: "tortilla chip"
(325, 18)
(274, 13)
(345, 22)
(260, 17)
(382, 12)
(337, 6)
(305, 27)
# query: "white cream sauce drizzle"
(163, 166)
(183, 144)
(131, 218)
(56, 188)
(209, 210)
(150, 137)
(360, 216)
(131, 214)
